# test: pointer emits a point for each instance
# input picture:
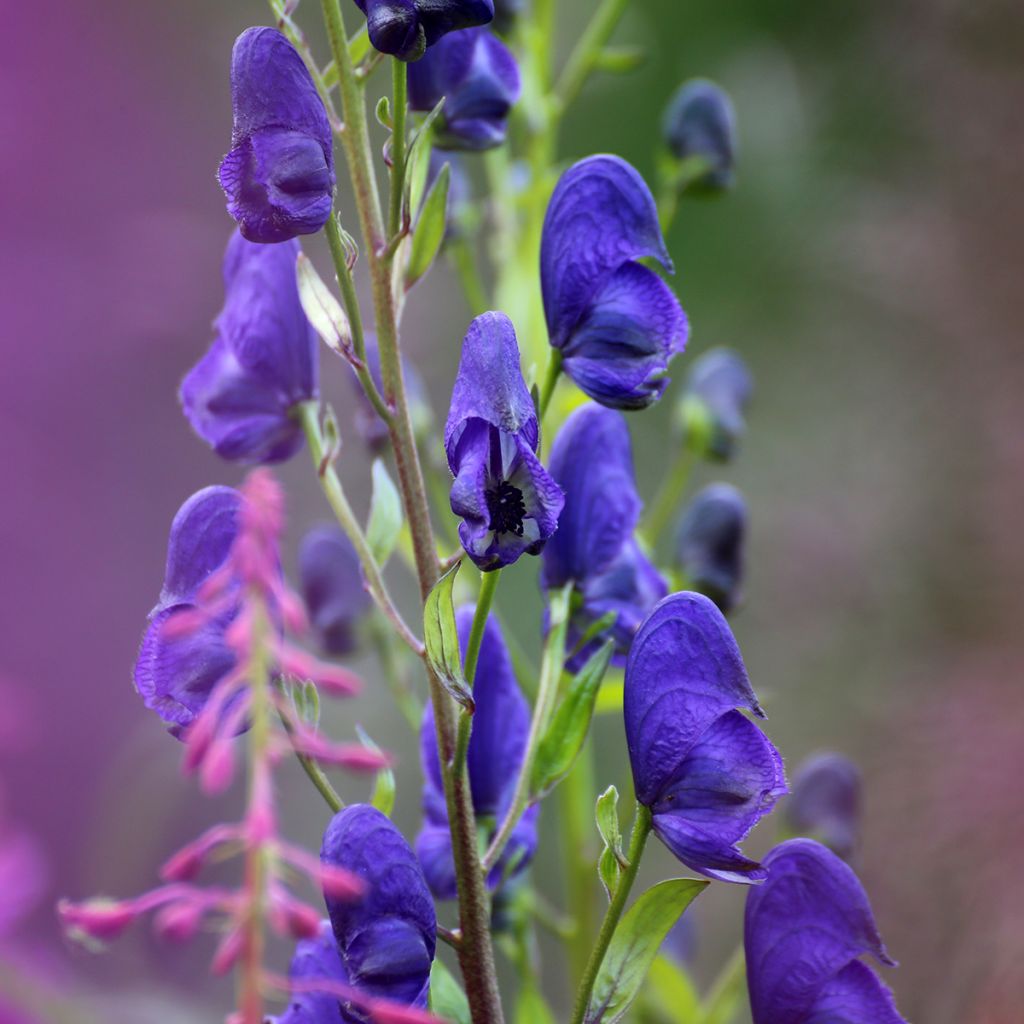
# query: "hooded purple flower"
(592, 461)
(700, 122)
(496, 747)
(508, 503)
(239, 397)
(333, 588)
(804, 932)
(826, 802)
(615, 322)
(405, 28)
(706, 772)
(386, 941)
(316, 959)
(279, 173)
(719, 388)
(709, 544)
(478, 77)
(174, 677)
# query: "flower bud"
(405, 28)
(825, 804)
(699, 128)
(714, 403)
(710, 542)
(178, 922)
(98, 919)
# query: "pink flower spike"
(334, 679)
(97, 919)
(292, 917)
(331, 880)
(383, 1011)
(187, 862)
(228, 952)
(178, 922)
(352, 756)
(184, 623)
(218, 767)
(293, 611)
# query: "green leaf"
(532, 1008)
(568, 729)
(385, 520)
(383, 112)
(635, 944)
(359, 45)
(594, 630)
(322, 309)
(429, 232)
(609, 698)
(610, 863)
(383, 797)
(442, 641)
(417, 162)
(447, 999)
(670, 990)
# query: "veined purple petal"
(855, 995)
(333, 587)
(809, 921)
(279, 173)
(316, 959)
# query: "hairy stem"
(399, 110)
(313, 771)
(669, 497)
(587, 51)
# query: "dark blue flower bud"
(825, 804)
(279, 174)
(405, 28)
(614, 321)
(717, 394)
(478, 77)
(710, 541)
(333, 588)
(804, 932)
(239, 397)
(508, 503)
(386, 940)
(705, 771)
(700, 125)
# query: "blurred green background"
(868, 265)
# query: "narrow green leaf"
(322, 309)
(358, 46)
(609, 864)
(609, 698)
(385, 520)
(670, 990)
(383, 112)
(429, 231)
(442, 641)
(417, 162)
(619, 60)
(635, 944)
(570, 724)
(383, 797)
(447, 1000)
(595, 629)
(532, 1008)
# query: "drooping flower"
(175, 675)
(615, 322)
(406, 28)
(241, 395)
(594, 547)
(386, 941)
(279, 173)
(496, 748)
(508, 503)
(718, 391)
(699, 122)
(710, 541)
(477, 75)
(333, 588)
(826, 802)
(804, 932)
(705, 771)
(315, 959)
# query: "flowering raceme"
(709, 544)
(405, 28)
(496, 747)
(804, 931)
(594, 547)
(240, 396)
(615, 323)
(704, 770)
(332, 588)
(508, 502)
(279, 173)
(699, 123)
(476, 74)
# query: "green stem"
(465, 261)
(406, 700)
(547, 692)
(551, 374)
(587, 51)
(576, 799)
(669, 498)
(641, 830)
(488, 587)
(309, 415)
(313, 771)
(399, 109)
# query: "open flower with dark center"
(405, 28)
(614, 321)
(804, 933)
(279, 173)
(710, 541)
(508, 503)
(705, 770)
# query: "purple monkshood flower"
(709, 544)
(705, 771)
(615, 322)
(508, 503)
(496, 748)
(333, 588)
(594, 547)
(826, 802)
(476, 74)
(804, 933)
(386, 941)
(279, 173)
(174, 675)
(315, 959)
(722, 385)
(699, 122)
(405, 28)
(240, 396)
